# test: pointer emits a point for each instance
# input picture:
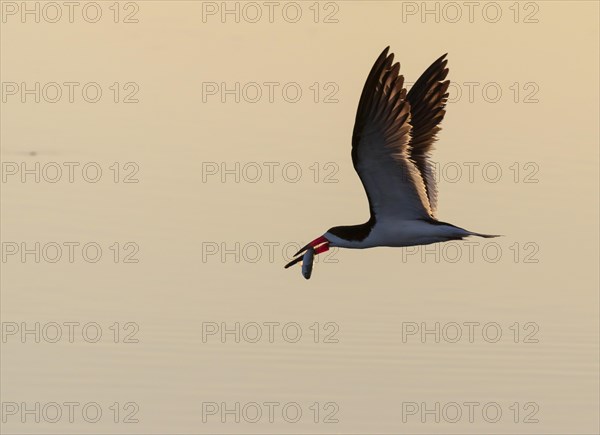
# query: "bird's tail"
(485, 236)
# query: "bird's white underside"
(398, 233)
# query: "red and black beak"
(320, 244)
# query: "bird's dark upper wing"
(427, 100)
(381, 146)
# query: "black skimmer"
(394, 133)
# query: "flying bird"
(393, 137)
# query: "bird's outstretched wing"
(381, 146)
(427, 100)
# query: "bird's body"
(391, 233)
(393, 136)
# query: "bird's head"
(320, 244)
